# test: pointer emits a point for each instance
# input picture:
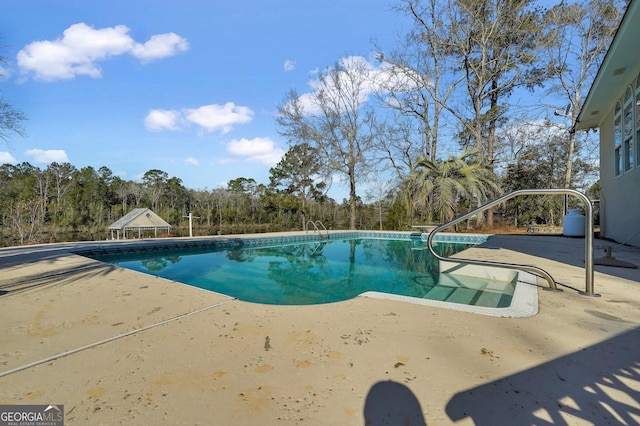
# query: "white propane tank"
(573, 224)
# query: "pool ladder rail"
(316, 228)
(318, 248)
(589, 287)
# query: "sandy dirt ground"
(120, 347)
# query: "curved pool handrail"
(317, 229)
(589, 287)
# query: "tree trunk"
(572, 147)
(352, 201)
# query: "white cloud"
(371, 79)
(160, 46)
(82, 46)
(219, 117)
(212, 117)
(289, 65)
(47, 156)
(6, 158)
(191, 160)
(309, 103)
(162, 119)
(261, 150)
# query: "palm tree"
(443, 183)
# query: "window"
(627, 122)
(637, 108)
(626, 129)
(617, 142)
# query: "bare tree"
(138, 192)
(10, 121)
(61, 175)
(420, 77)
(577, 36)
(337, 119)
(27, 219)
(43, 184)
(379, 194)
(10, 118)
(496, 44)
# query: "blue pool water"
(316, 272)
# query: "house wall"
(619, 195)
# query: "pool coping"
(131, 246)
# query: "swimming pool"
(318, 271)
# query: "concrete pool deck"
(119, 347)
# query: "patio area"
(119, 347)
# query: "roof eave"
(619, 67)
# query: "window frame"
(628, 130)
(637, 122)
(617, 140)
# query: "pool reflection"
(301, 273)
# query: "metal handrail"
(589, 288)
(315, 226)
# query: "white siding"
(619, 195)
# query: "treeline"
(64, 203)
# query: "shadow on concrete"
(570, 251)
(392, 403)
(58, 277)
(599, 384)
(22, 255)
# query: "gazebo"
(138, 219)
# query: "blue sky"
(188, 87)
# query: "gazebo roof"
(139, 219)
